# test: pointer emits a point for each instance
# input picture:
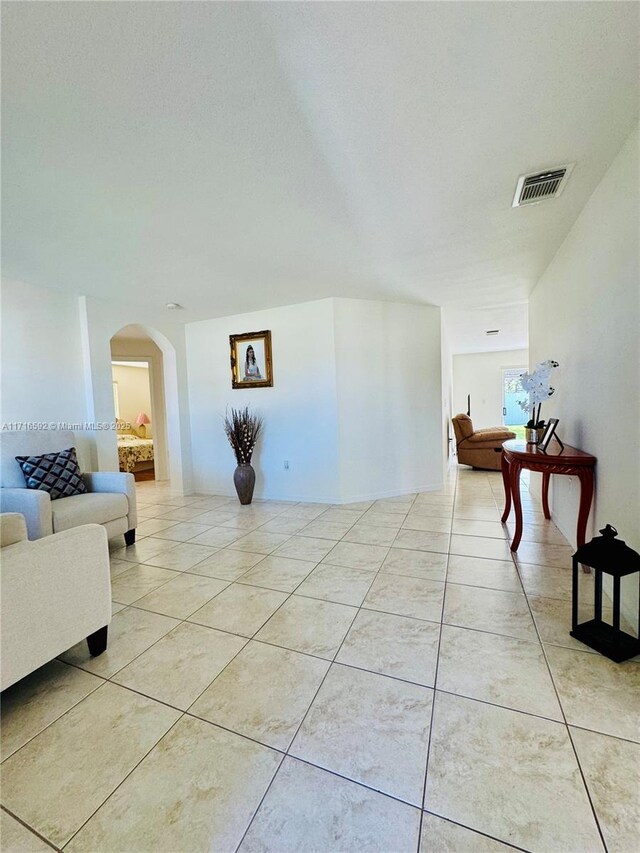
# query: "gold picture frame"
(251, 365)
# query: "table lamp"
(141, 422)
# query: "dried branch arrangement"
(243, 429)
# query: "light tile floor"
(298, 677)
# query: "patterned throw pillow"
(56, 473)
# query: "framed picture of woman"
(251, 360)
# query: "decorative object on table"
(548, 434)
(612, 556)
(251, 360)
(537, 386)
(243, 429)
(141, 422)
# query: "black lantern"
(610, 555)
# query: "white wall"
(56, 366)
(134, 394)
(389, 398)
(480, 374)
(300, 410)
(351, 411)
(42, 373)
(449, 453)
(133, 347)
(585, 313)
(100, 320)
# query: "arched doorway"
(139, 400)
(126, 340)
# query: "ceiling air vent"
(541, 186)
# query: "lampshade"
(142, 419)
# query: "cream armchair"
(55, 592)
(110, 501)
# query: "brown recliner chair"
(479, 448)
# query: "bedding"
(132, 450)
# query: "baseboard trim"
(391, 493)
(370, 496)
(264, 496)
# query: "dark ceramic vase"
(244, 479)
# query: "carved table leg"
(586, 496)
(507, 489)
(514, 482)
(545, 494)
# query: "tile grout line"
(29, 828)
(246, 532)
(204, 559)
(181, 621)
(264, 745)
(155, 643)
(122, 781)
(331, 663)
(560, 705)
(475, 831)
(110, 679)
(355, 522)
(297, 651)
(247, 641)
(435, 681)
(210, 527)
(68, 711)
(75, 704)
(292, 741)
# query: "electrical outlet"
(286, 464)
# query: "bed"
(134, 453)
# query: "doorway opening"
(138, 397)
(514, 416)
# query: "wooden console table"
(517, 455)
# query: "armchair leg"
(130, 537)
(97, 641)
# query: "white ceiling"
(467, 327)
(237, 156)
